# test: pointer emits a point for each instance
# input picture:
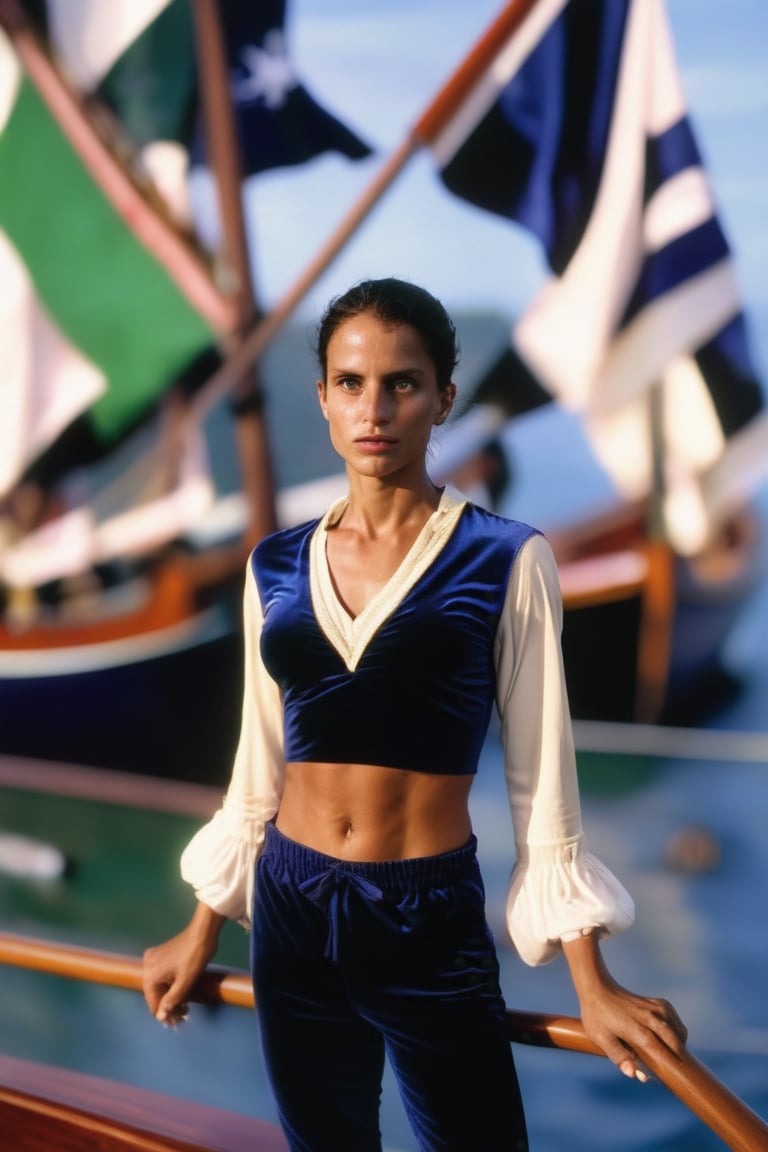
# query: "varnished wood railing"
(699, 1089)
(44, 1109)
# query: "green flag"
(97, 284)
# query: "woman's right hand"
(170, 970)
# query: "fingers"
(153, 985)
(674, 1021)
(172, 1005)
(643, 1030)
(625, 1060)
(169, 1008)
(660, 1033)
(666, 1025)
(634, 1071)
(165, 991)
(171, 1015)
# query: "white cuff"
(561, 892)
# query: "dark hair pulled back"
(395, 302)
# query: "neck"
(376, 507)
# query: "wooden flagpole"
(224, 156)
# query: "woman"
(377, 641)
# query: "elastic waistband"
(305, 862)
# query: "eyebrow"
(394, 375)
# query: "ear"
(321, 390)
(447, 397)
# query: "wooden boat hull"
(605, 636)
(160, 698)
(42, 1108)
(646, 644)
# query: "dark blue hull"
(174, 715)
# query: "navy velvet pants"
(352, 960)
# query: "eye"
(403, 384)
(348, 383)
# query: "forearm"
(588, 970)
(204, 927)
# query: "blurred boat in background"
(126, 516)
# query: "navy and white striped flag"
(579, 132)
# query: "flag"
(138, 56)
(89, 318)
(579, 133)
(279, 123)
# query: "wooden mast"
(246, 391)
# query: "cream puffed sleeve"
(219, 862)
(557, 888)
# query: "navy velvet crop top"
(421, 694)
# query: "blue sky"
(378, 67)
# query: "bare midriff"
(365, 812)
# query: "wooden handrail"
(217, 986)
(687, 1078)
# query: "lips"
(375, 443)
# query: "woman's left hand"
(626, 1026)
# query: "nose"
(377, 402)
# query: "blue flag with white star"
(279, 122)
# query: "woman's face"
(380, 397)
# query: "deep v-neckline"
(351, 635)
